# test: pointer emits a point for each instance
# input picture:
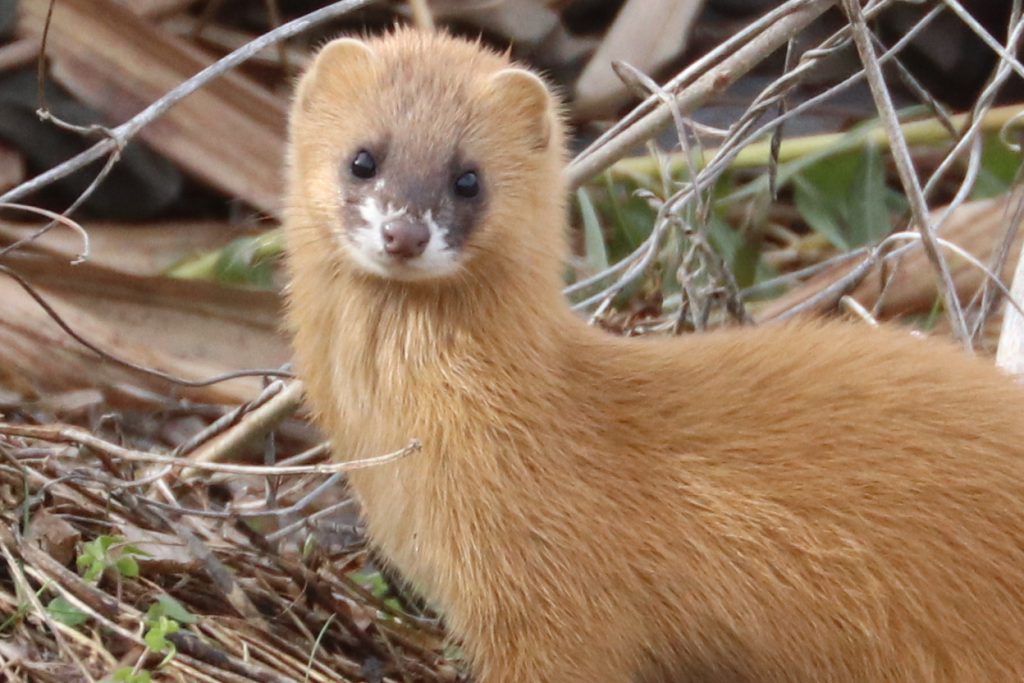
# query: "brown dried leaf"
(137, 249)
(526, 23)
(191, 329)
(230, 134)
(977, 227)
(163, 552)
(54, 535)
(646, 34)
(12, 167)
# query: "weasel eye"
(363, 166)
(467, 185)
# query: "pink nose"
(405, 239)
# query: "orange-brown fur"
(812, 502)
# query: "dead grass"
(286, 609)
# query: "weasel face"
(418, 157)
(403, 220)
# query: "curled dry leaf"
(647, 34)
(190, 329)
(229, 134)
(54, 536)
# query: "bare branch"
(69, 434)
(905, 167)
(748, 53)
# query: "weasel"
(809, 502)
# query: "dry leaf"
(137, 249)
(12, 167)
(229, 134)
(163, 552)
(646, 34)
(190, 329)
(54, 535)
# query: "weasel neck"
(446, 366)
(412, 360)
(411, 333)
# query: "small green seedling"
(127, 674)
(63, 611)
(166, 606)
(109, 552)
(374, 581)
(23, 609)
(156, 637)
(164, 618)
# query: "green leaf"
(835, 159)
(834, 175)
(127, 566)
(741, 255)
(845, 197)
(156, 636)
(165, 605)
(593, 235)
(66, 613)
(95, 551)
(100, 554)
(638, 218)
(454, 652)
(372, 581)
(247, 260)
(746, 264)
(1000, 166)
(156, 640)
(820, 212)
(126, 675)
(896, 203)
(866, 212)
(95, 571)
(632, 217)
(309, 547)
(726, 240)
(104, 543)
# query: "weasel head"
(413, 156)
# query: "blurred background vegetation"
(774, 193)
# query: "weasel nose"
(405, 239)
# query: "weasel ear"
(343, 54)
(526, 95)
(340, 56)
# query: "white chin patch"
(366, 245)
